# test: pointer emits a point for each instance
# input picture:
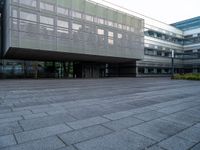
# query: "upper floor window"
(63, 24)
(89, 18)
(100, 31)
(46, 20)
(110, 34)
(76, 26)
(100, 21)
(32, 3)
(62, 11)
(76, 14)
(14, 13)
(28, 16)
(46, 6)
(119, 36)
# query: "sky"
(167, 11)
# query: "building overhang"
(43, 55)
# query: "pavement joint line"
(61, 140)
(20, 126)
(72, 129)
(194, 145)
(157, 142)
(107, 128)
(107, 118)
(91, 138)
(15, 139)
(75, 147)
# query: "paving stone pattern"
(100, 114)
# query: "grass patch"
(189, 76)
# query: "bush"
(188, 76)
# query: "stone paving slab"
(155, 147)
(149, 115)
(84, 134)
(41, 133)
(192, 134)
(123, 140)
(68, 148)
(51, 143)
(196, 147)
(87, 122)
(176, 143)
(100, 114)
(7, 141)
(122, 123)
(9, 128)
(41, 122)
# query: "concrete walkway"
(100, 114)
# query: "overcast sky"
(168, 11)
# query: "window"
(141, 70)
(110, 23)
(89, 18)
(46, 29)
(110, 34)
(115, 25)
(119, 36)
(63, 24)
(76, 26)
(14, 13)
(151, 70)
(110, 41)
(28, 16)
(31, 3)
(46, 6)
(159, 53)
(100, 31)
(14, 24)
(119, 26)
(46, 20)
(124, 27)
(100, 21)
(149, 52)
(76, 14)
(62, 33)
(62, 11)
(132, 29)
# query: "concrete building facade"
(86, 39)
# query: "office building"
(86, 39)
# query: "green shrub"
(189, 76)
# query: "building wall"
(73, 26)
(160, 39)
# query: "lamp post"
(172, 71)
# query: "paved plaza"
(100, 114)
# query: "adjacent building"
(88, 39)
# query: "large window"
(76, 14)
(45, 6)
(28, 16)
(63, 24)
(110, 38)
(32, 3)
(14, 13)
(47, 20)
(89, 18)
(100, 31)
(62, 11)
(76, 26)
